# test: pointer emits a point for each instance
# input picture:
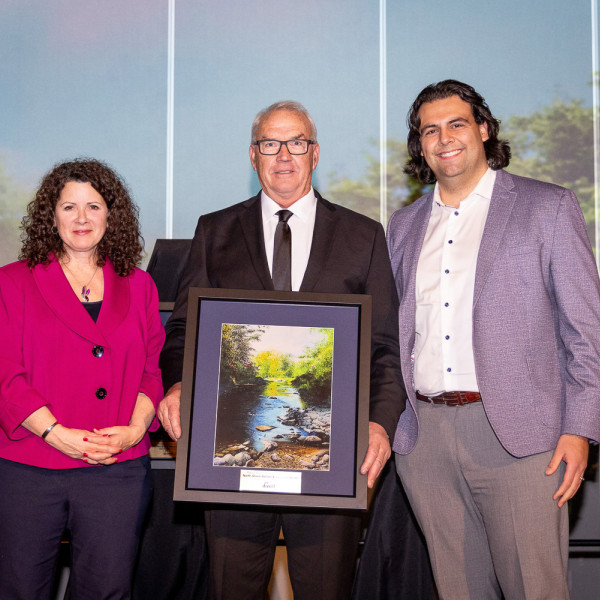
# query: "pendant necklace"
(85, 290)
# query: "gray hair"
(282, 105)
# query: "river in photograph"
(245, 407)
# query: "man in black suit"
(333, 250)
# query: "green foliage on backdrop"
(13, 203)
(554, 144)
(362, 194)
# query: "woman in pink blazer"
(79, 383)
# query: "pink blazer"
(53, 354)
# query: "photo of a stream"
(274, 405)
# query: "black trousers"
(321, 549)
(100, 508)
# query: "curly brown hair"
(122, 243)
(497, 151)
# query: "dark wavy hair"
(497, 151)
(122, 243)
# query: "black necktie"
(282, 253)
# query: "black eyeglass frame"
(285, 143)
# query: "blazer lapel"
(59, 296)
(412, 250)
(322, 242)
(252, 228)
(115, 304)
(501, 204)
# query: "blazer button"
(97, 351)
(101, 393)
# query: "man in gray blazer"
(499, 323)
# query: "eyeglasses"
(271, 147)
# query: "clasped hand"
(97, 447)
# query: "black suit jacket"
(348, 255)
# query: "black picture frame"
(334, 480)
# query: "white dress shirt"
(302, 224)
(444, 360)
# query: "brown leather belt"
(451, 398)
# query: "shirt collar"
(483, 189)
(302, 208)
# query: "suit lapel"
(323, 240)
(56, 291)
(501, 204)
(252, 228)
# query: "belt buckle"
(437, 399)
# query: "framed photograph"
(275, 395)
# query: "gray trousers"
(489, 519)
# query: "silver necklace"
(85, 290)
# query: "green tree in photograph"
(265, 364)
(236, 362)
(286, 366)
(13, 203)
(270, 365)
(313, 370)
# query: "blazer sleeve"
(577, 295)
(388, 396)
(151, 383)
(18, 399)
